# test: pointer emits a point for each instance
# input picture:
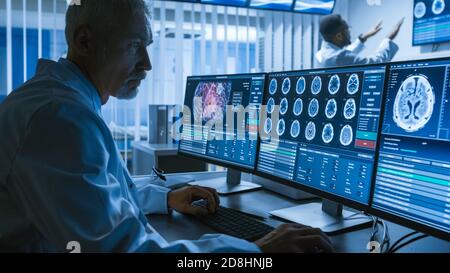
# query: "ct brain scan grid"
(327, 129)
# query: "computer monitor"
(327, 128)
(412, 185)
(431, 22)
(314, 6)
(220, 125)
(237, 3)
(272, 4)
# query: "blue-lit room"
(225, 126)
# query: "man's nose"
(144, 63)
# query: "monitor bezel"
(320, 193)
(389, 215)
(225, 164)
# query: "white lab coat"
(330, 55)
(62, 178)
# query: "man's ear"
(83, 40)
(338, 37)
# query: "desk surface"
(163, 149)
(174, 226)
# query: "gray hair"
(104, 16)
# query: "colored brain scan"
(334, 85)
(346, 136)
(310, 131)
(295, 129)
(438, 6)
(298, 107)
(301, 86)
(331, 109)
(284, 106)
(327, 133)
(350, 109)
(414, 103)
(268, 126)
(286, 87)
(273, 86)
(313, 108)
(420, 10)
(353, 84)
(316, 85)
(214, 98)
(270, 105)
(281, 127)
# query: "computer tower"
(161, 121)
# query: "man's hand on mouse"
(181, 200)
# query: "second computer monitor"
(327, 130)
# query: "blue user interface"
(272, 4)
(327, 129)
(431, 21)
(221, 118)
(314, 6)
(413, 174)
(238, 3)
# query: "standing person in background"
(337, 49)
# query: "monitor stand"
(329, 216)
(232, 184)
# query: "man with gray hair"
(63, 183)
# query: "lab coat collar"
(71, 76)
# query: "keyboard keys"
(234, 223)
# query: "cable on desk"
(386, 238)
(408, 242)
(375, 230)
(401, 239)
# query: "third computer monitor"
(413, 176)
(326, 130)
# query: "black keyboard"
(234, 223)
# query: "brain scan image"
(334, 85)
(298, 107)
(346, 136)
(273, 86)
(420, 10)
(310, 131)
(286, 87)
(438, 6)
(295, 129)
(268, 126)
(353, 84)
(214, 99)
(331, 109)
(350, 109)
(328, 133)
(270, 105)
(301, 86)
(281, 127)
(284, 106)
(316, 85)
(313, 108)
(414, 103)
